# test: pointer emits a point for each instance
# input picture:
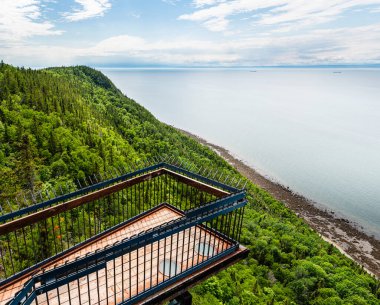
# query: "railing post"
(208, 228)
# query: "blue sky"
(125, 33)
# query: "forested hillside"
(60, 124)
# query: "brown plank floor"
(132, 273)
(152, 220)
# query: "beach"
(310, 129)
(347, 236)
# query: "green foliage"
(60, 124)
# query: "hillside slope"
(60, 124)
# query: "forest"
(58, 125)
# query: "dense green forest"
(60, 124)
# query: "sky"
(189, 33)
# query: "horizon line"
(343, 66)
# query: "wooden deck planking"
(123, 281)
(157, 217)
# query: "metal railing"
(141, 264)
(208, 228)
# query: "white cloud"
(363, 45)
(167, 52)
(22, 19)
(315, 47)
(277, 12)
(123, 49)
(88, 9)
(171, 2)
(135, 15)
(216, 24)
(218, 13)
(201, 3)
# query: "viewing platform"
(143, 237)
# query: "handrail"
(220, 207)
(228, 200)
(78, 246)
(93, 262)
(206, 180)
(49, 203)
(68, 205)
(82, 191)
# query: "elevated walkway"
(154, 252)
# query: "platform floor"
(132, 273)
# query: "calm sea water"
(313, 130)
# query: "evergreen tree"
(26, 163)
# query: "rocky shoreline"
(342, 233)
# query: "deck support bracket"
(184, 299)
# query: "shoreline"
(342, 233)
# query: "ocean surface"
(314, 130)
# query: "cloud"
(162, 52)
(363, 45)
(135, 15)
(321, 46)
(22, 19)
(88, 9)
(218, 15)
(315, 47)
(171, 2)
(123, 49)
(375, 10)
(202, 3)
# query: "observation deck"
(143, 237)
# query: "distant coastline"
(195, 67)
(345, 235)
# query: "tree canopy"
(60, 124)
